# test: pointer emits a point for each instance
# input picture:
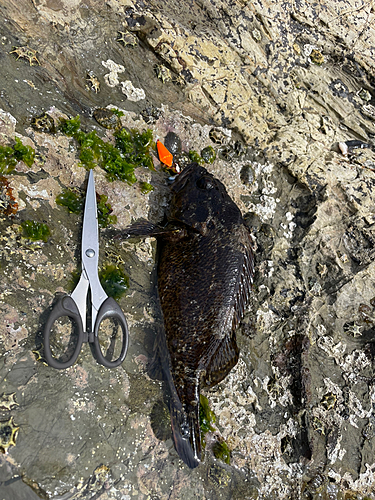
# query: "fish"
(205, 272)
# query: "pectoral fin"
(144, 228)
(224, 358)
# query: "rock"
(287, 83)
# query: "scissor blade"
(90, 247)
(90, 233)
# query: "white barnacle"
(343, 147)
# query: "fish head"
(201, 202)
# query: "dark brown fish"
(205, 272)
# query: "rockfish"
(205, 272)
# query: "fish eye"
(205, 183)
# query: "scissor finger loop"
(75, 305)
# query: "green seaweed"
(72, 201)
(35, 231)
(117, 112)
(24, 153)
(131, 150)
(221, 451)
(70, 127)
(208, 154)
(75, 203)
(206, 420)
(11, 155)
(146, 187)
(135, 146)
(194, 156)
(206, 416)
(104, 211)
(7, 160)
(114, 281)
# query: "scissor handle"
(110, 309)
(65, 306)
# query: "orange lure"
(164, 155)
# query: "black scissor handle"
(65, 306)
(110, 309)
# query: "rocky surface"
(274, 88)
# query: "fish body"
(205, 272)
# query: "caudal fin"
(184, 417)
(186, 432)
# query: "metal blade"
(79, 296)
(90, 248)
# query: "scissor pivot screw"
(90, 252)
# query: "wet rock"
(297, 411)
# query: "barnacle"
(8, 401)
(163, 73)
(8, 434)
(44, 123)
(107, 118)
(208, 154)
(126, 38)
(329, 400)
(316, 57)
(26, 53)
(93, 83)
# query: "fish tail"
(186, 432)
(184, 417)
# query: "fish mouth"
(182, 178)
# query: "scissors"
(74, 305)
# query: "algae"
(114, 281)
(70, 200)
(35, 231)
(146, 187)
(208, 155)
(221, 451)
(105, 216)
(131, 150)
(75, 203)
(207, 419)
(194, 156)
(206, 416)
(11, 155)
